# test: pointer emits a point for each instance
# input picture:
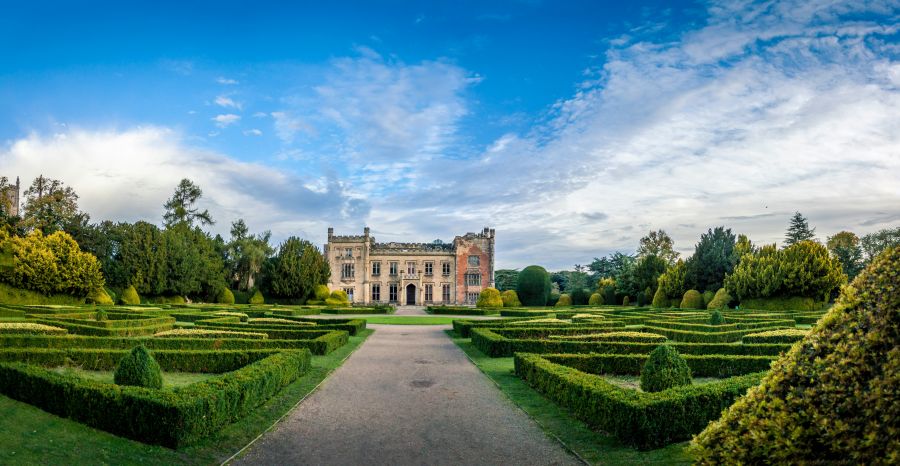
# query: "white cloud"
(225, 120)
(226, 81)
(225, 101)
(253, 132)
(128, 176)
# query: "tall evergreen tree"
(713, 258)
(799, 230)
(49, 205)
(844, 246)
(180, 208)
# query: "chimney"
(330, 233)
(366, 232)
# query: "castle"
(411, 273)
(12, 200)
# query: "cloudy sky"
(570, 127)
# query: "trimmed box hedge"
(705, 337)
(704, 365)
(29, 328)
(172, 418)
(642, 420)
(789, 335)
(204, 333)
(80, 329)
(203, 361)
(637, 337)
(461, 311)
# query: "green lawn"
(594, 447)
(31, 436)
(170, 379)
(409, 320)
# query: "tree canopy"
(799, 230)
(713, 258)
(658, 243)
(49, 205)
(181, 207)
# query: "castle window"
(471, 298)
(392, 293)
(411, 268)
(394, 268)
(445, 292)
(473, 279)
(347, 271)
(474, 261)
(429, 292)
(348, 252)
(376, 292)
(376, 269)
(349, 292)
(429, 268)
(445, 268)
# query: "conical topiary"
(564, 300)
(716, 318)
(664, 369)
(225, 297)
(138, 368)
(596, 299)
(257, 298)
(720, 300)
(130, 296)
(833, 397)
(510, 299)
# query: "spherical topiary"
(130, 296)
(664, 369)
(626, 301)
(138, 368)
(489, 298)
(660, 299)
(716, 318)
(338, 298)
(510, 298)
(101, 315)
(322, 292)
(225, 296)
(833, 396)
(692, 300)
(533, 286)
(100, 296)
(564, 300)
(720, 300)
(707, 298)
(552, 300)
(257, 298)
(596, 299)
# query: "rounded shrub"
(579, 296)
(626, 301)
(554, 297)
(595, 300)
(664, 369)
(708, 296)
(338, 298)
(564, 300)
(833, 396)
(510, 298)
(257, 298)
(138, 368)
(101, 297)
(720, 300)
(225, 296)
(659, 299)
(692, 300)
(533, 286)
(101, 315)
(716, 318)
(489, 298)
(322, 292)
(130, 296)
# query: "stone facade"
(12, 198)
(411, 273)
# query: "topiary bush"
(257, 298)
(101, 297)
(664, 369)
(130, 296)
(225, 297)
(554, 297)
(708, 296)
(659, 299)
(692, 300)
(510, 298)
(489, 298)
(716, 318)
(595, 300)
(338, 298)
(720, 300)
(564, 300)
(100, 315)
(139, 369)
(580, 296)
(626, 301)
(833, 397)
(533, 286)
(322, 292)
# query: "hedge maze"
(579, 357)
(249, 352)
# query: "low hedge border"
(642, 420)
(29, 328)
(789, 335)
(499, 346)
(205, 361)
(7, 312)
(461, 311)
(115, 320)
(204, 333)
(357, 310)
(352, 326)
(80, 329)
(727, 327)
(173, 418)
(463, 328)
(705, 365)
(705, 337)
(637, 337)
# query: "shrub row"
(461, 311)
(114, 320)
(727, 327)
(205, 361)
(81, 329)
(702, 365)
(7, 312)
(638, 337)
(788, 335)
(169, 418)
(642, 420)
(496, 345)
(704, 337)
(203, 333)
(30, 328)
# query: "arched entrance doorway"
(410, 294)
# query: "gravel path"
(408, 395)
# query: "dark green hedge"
(706, 337)
(172, 418)
(7, 312)
(351, 326)
(80, 329)
(718, 365)
(729, 326)
(205, 361)
(461, 311)
(115, 320)
(642, 420)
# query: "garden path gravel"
(408, 395)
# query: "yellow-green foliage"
(659, 298)
(833, 397)
(787, 335)
(101, 297)
(564, 300)
(596, 299)
(30, 328)
(257, 298)
(225, 297)
(322, 292)
(138, 368)
(510, 298)
(804, 269)
(692, 300)
(489, 298)
(275, 320)
(664, 369)
(708, 296)
(208, 333)
(794, 303)
(716, 318)
(130, 296)
(338, 298)
(672, 283)
(11, 295)
(49, 264)
(626, 301)
(720, 300)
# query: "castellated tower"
(13, 198)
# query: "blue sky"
(573, 128)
